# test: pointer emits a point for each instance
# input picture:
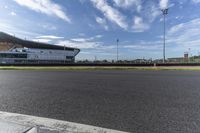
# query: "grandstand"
(18, 51)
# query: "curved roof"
(30, 44)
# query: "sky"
(95, 25)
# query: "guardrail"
(109, 64)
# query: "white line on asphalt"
(63, 126)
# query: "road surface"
(133, 101)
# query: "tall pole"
(65, 56)
(164, 40)
(165, 12)
(95, 58)
(189, 54)
(117, 49)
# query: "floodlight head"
(165, 11)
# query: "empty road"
(133, 101)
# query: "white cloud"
(139, 25)
(145, 45)
(13, 14)
(81, 39)
(78, 44)
(176, 28)
(98, 36)
(129, 3)
(185, 34)
(42, 40)
(179, 17)
(164, 4)
(179, 38)
(153, 13)
(143, 21)
(146, 13)
(48, 26)
(82, 42)
(9, 28)
(49, 37)
(102, 22)
(196, 1)
(45, 6)
(86, 39)
(110, 13)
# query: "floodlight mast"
(165, 12)
(117, 50)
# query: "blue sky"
(94, 25)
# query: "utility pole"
(117, 49)
(95, 58)
(65, 56)
(189, 54)
(165, 12)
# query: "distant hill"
(7, 42)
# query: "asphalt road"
(134, 101)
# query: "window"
(69, 57)
(9, 55)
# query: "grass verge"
(97, 68)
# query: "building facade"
(18, 51)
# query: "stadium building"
(17, 51)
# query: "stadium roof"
(4, 37)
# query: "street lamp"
(165, 12)
(189, 55)
(117, 49)
(65, 56)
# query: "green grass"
(97, 68)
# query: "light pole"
(117, 49)
(65, 56)
(189, 54)
(95, 58)
(165, 12)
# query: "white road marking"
(46, 123)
